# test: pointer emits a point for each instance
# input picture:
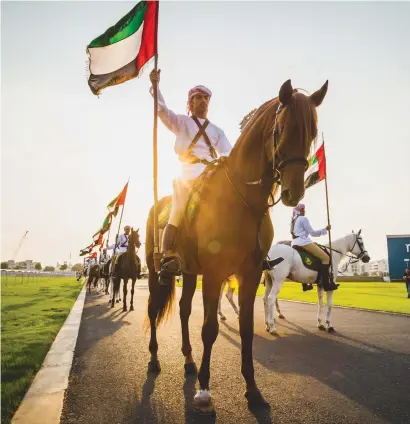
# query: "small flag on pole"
(316, 171)
(121, 52)
(114, 205)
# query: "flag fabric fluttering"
(316, 171)
(114, 205)
(86, 250)
(121, 52)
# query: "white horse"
(292, 268)
(229, 296)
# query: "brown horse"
(93, 277)
(230, 231)
(128, 267)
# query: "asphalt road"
(360, 374)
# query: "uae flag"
(317, 168)
(120, 53)
(114, 205)
(105, 226)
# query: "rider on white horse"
(301, 229)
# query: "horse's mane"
(301, 107)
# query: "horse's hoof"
(203, 403)
(321, 327)
(112, 305)
(331, 330)
(190, 368)
(256, 400)
(118, 300)
(281, 316)
(223, 318)
(154, 366)
(131, 307)
(124, 309)
(274, 333)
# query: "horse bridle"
(353, 258)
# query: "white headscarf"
(199, 89)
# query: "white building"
(379, 268)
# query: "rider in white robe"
(301, 231)
(196, 150)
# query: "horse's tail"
(161, 298)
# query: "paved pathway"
(359, 375)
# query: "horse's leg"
(222, 316)
(320, 305)
(132, 293)
(229, 296)
(329, 301)
(118, 292)
(185, 308)
(280, 315)
(272, 298)
(125, 284)
(211, 289)
(115, 289)
(153, 307)
(248, 285)
(268, 288)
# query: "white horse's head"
(356, 247)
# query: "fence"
(20, 275)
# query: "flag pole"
(157, 255)
(328, 213)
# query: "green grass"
(390, 297)
(33, 310)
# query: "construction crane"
(19, 245)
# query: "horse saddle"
(197, 192)
(309, 261)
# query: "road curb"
(43, 402)
(349, 307)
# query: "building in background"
(398, 248)
(379, 268)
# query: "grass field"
(391, 297)
(33, 311)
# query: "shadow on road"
(367, 374)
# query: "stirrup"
(307, 286)
(271, 264)
(169, 267)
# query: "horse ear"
(318, 96)
(285, 93)
(359, 232)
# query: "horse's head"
(135, 238)
(357, 247)
(294, 131)
(276, 139)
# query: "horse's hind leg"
(185, 307)
(153, 308)
(125, 284)
(132, 294)
(220, 313)
(280, 315)
(329, 302)
(229, 296)
(115, 289)
(320, 306)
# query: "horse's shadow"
(370, 375)
(98, 322)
